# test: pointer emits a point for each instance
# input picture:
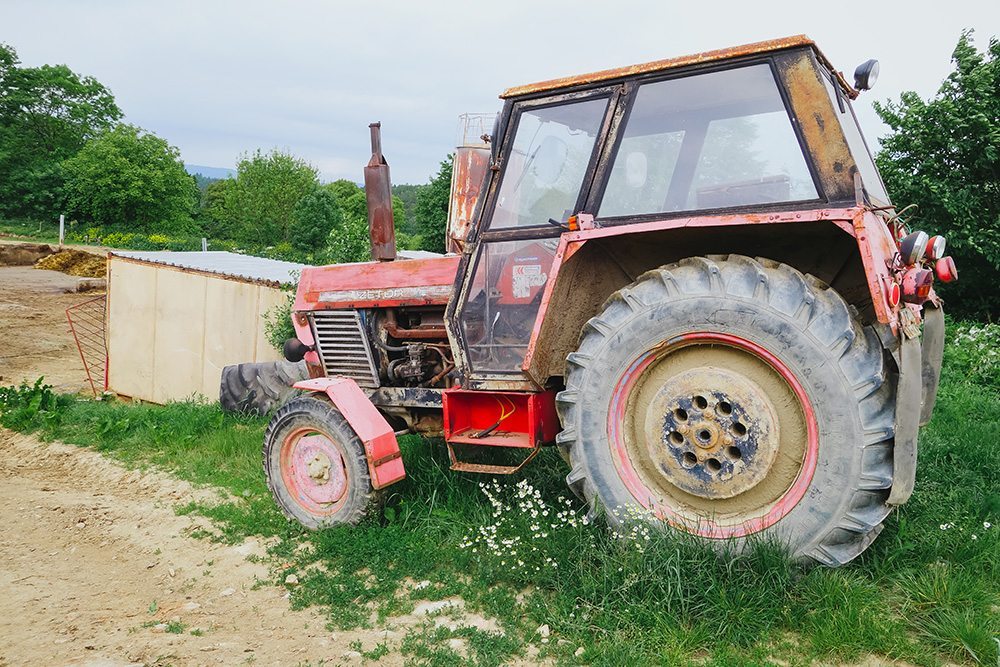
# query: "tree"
(343, 188)
(943, 154)
(353, 203)
(432, 208)
(349, 242)
(133, 180)
(261, 201)
(408, 197)
(47, 114)
(314, 217)
(216, 222)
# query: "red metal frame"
(381, 448)
(87, 324)
(532, 418)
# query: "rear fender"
(385, 463)
(591, 264)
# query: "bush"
(21, 406)
(278, 321)
(973, 354)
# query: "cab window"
(546, 163)
(713, 140)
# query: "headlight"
(866, 74)
(912, 247)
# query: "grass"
(926, 592)
(32, 230)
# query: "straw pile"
(74, 263)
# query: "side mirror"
(866, 74)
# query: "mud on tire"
(315, 465)
(813, 340)
(259, 388)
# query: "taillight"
(912, 247)
(917, 285)
(935, 248)
(946, 270)
(894, 295)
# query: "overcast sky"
(217, 79)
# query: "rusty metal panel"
(820, 125)
(378, 193)
(373, 284)
(467, 178)
(666, 64)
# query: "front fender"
(385, 463)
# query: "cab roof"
(681, 61)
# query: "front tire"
(733, 398)
(315, 465)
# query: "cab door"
(547, 163)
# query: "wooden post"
(204, 244)
(62, 229)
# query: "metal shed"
(175, 319)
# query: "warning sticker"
(526, 276)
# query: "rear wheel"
(259, 388)
(316, 466)
(730, 398)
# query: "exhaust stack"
(378, 193)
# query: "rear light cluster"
(916, 249)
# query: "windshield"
(706, 141)
(547, 162)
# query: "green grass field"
(927, 592)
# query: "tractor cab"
(759, 129)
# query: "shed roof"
(224, 264)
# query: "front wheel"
(315, 465)
(731, 398)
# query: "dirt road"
(34, 335)
(97, 569)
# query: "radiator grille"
(343, 346)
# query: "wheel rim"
(713, 434)
(313, 471)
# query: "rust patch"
(820, 126)
(470, 167)
(672, 63)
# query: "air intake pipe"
(378, 193)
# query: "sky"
(220, 78)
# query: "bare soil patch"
(23, 254)
(35, 339)
(98, 569)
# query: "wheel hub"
(711, 432)
(316, 469)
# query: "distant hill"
(213, 173)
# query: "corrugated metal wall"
(171, 331)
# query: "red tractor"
(685, 275)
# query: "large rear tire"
(315, 465)
(259, 388)
(733, 398)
